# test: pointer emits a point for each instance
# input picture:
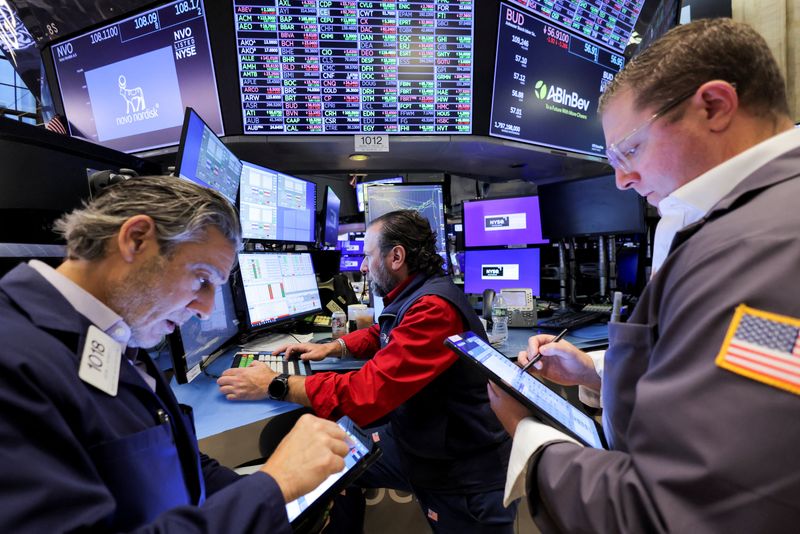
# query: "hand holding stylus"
(538, 355)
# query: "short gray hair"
(708, 49)
(182, 211)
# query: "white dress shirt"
(90, 307)
(690, 202)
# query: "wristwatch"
(279, 387)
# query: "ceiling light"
(359, 157)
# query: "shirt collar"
(397, 290)
(690, 202)
(85, 303)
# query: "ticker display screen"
(547, 84)
(355, 66)
(125, 85)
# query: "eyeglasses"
(619, 155)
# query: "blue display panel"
(501, 269)
(499, 222)
(347, 66)
(125, 85)
(427, 199)
(547, 84)
(275, 206)
(204, 159)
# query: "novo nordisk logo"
(493, 270)
(135, 107)
(560, 95)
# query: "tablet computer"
(363, 452)
(545, 403)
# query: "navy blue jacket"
(75, 458)
(448, 431)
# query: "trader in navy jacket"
(91, 437)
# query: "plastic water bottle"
(499, 321)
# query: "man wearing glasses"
(701, 389)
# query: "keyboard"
(276, 362)
(572, 319)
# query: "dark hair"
(412, 231)
(182, 212)
(708, 49)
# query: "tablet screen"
(358, 450)
(542, 398)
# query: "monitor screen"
(276, 207)
(351, 247)
(125, 85)
(593, 206)
(361, 185)
(196, 340)
(278, 287)
(351, 262)
(500, 222)
(427, 199)
(204, 159)
(330, 214)
(501, 269)
(355, 67)
(547, 83)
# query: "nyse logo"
(492, 271)
(496, 222)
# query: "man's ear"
(398, 256)
(136, 236)
(720, 103)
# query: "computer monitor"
(499, 222)
(274, 206)
(361, 185)
(204, 159)
(501, 269)
(125, 85)
(592, 206)
(279, 287)
(349, 68)
(427, 199)
(351, 247)
(192, 344)
(351, 262)
(547, 83)
(330, 218)
(326, 263)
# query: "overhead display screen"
(125, 85)
(547, 83)
(608, 23)
(355, 66)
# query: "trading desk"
(228, 430)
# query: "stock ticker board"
(347, 67)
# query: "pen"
(538, 355)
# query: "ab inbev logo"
(559, 95)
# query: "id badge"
(100, 361)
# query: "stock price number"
(516, 39)
(556, 36)
(187, 6)
(148, 19)
(105, 33)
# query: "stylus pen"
(538, 355)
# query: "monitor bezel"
(323, 218)
(240, 296)
(313, 236)
(488, 247)
(188, 112)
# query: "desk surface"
(214, 414)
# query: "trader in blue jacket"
(91, 437)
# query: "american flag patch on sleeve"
(763, 346)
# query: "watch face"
(279, 387)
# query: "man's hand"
(309, 351)
(313, 450)
(561, 362)
(507, 409)
(247, 383)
